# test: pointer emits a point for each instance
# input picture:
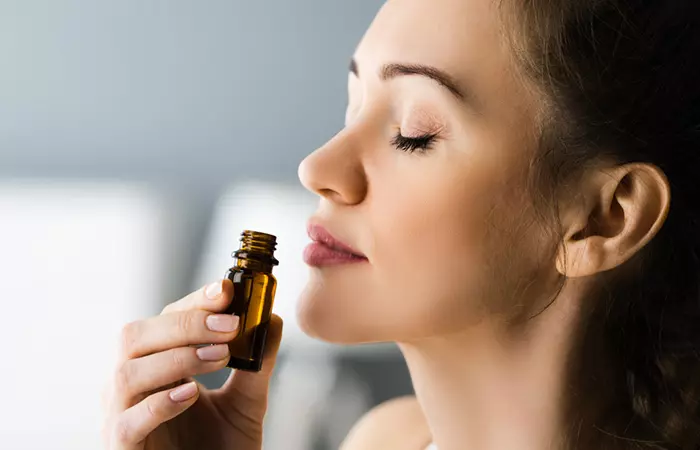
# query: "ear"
(622, 210)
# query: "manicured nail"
(184, 392)
(224, 323)
(212, 352)
(213, 290)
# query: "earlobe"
(625, 209)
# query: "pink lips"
(325, 250)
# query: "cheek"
(424, 278)
(430, 249)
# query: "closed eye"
(414, 144)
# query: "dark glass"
(254, 294)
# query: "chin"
(333, 318)
(318, 321)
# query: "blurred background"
(137, 139)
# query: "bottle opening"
(257, 246)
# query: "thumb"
(249, 389)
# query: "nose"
(335, 171)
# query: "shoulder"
(397, 423)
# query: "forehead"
(453, 35)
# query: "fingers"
(156, 353)
(177, 329)
(249, 388)
(137, 377)
(135, 424)
(214, 297)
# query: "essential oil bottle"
(254, 293)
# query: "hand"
(152, 403)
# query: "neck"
(480, 390)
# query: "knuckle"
(179, 360)
(122, 379)
(185, 322)
(121, 431)
(192, 323)
(128, 337)
(152, 409)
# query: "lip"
(326, 250)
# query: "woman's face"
(426, 180)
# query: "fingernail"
(224, 323)
(213, 290)
(184, 392)
(212, 352)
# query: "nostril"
(330, 194)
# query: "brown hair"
(620, 81)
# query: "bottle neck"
(252, 264)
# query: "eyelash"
(419, 144)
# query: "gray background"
(179, 90)
(187, 96)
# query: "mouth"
(326, 250)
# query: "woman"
(503, 186)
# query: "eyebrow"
(390, 71)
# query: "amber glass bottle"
(254, 292)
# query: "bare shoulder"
(395, 424)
